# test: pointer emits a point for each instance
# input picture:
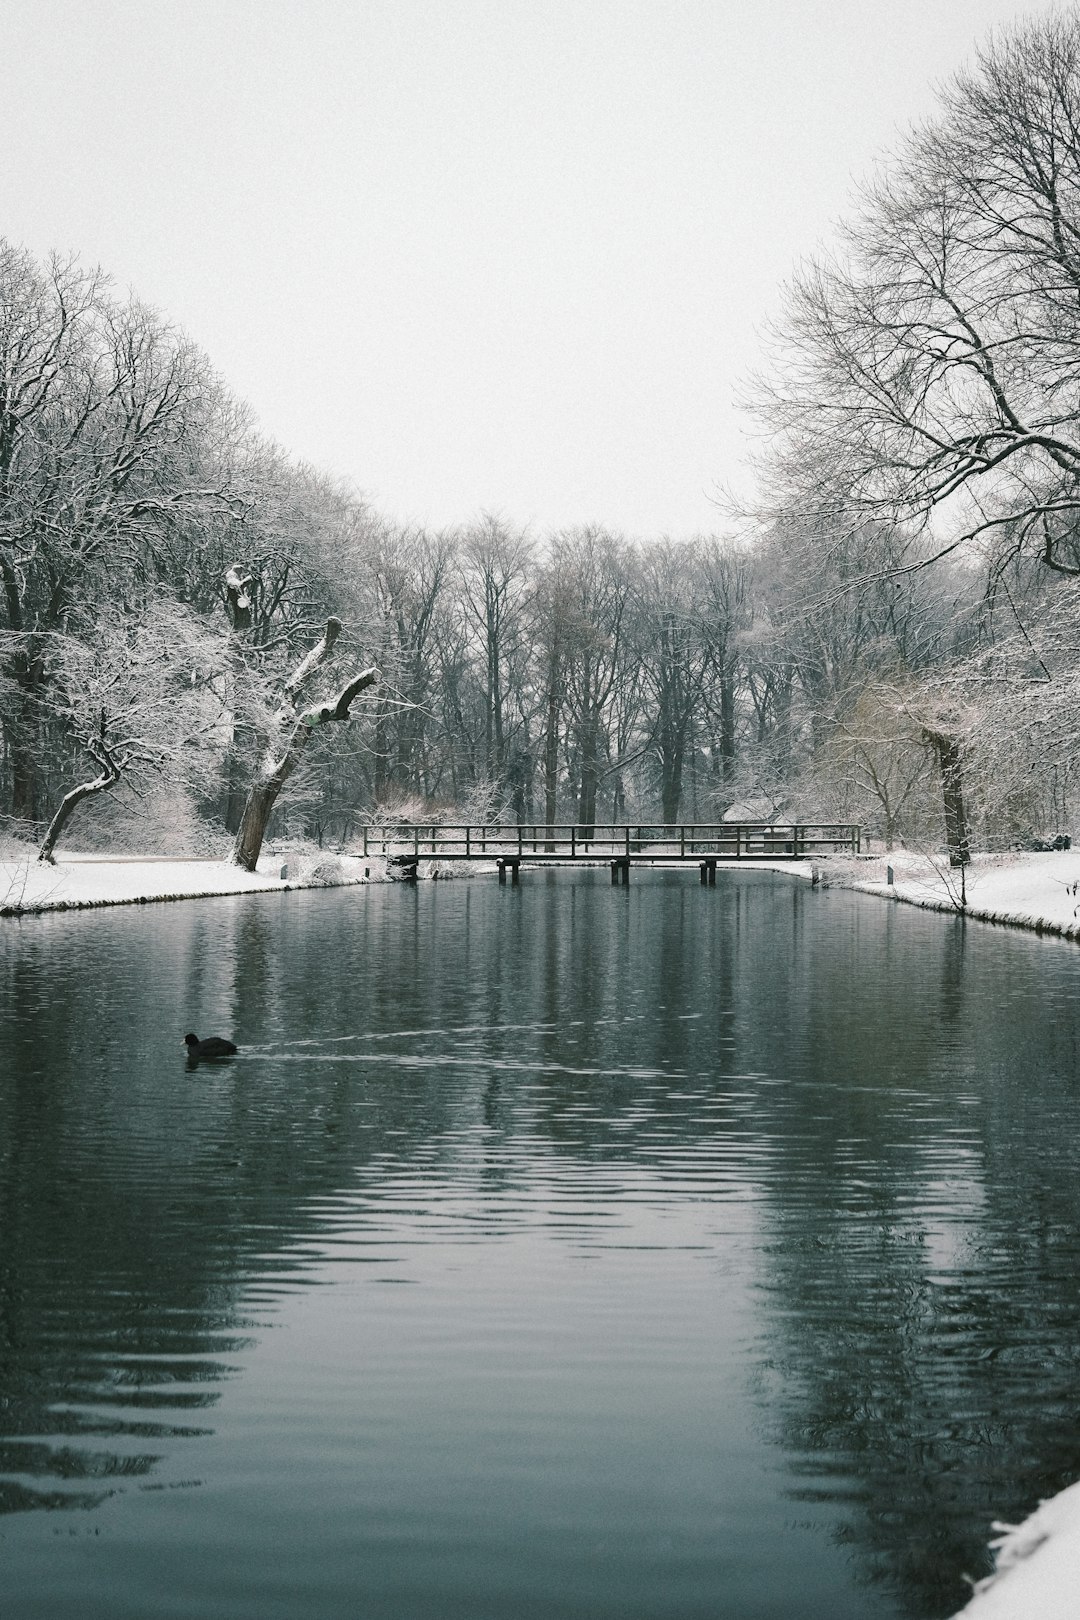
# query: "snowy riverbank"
(1039, 1561)
(1038, 1566)
(77, 880)
(1040, 892)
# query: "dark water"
(561, 1251)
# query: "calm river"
(561, 1252)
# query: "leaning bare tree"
(291, 732)
(112, 763)
(135, 694)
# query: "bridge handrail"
(601, 840)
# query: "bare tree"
(135, 694)
(1018, 693)
(595, 591)
(290, 733)
(407, 573)
(549, 609)
(874, 767)
(671, 647)
(929, 372)
(102, 409)
(727, 609)
(293, 552)
(494, 562)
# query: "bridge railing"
(726, 840)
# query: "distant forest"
(890, 635)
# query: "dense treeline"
(924, 402)
(892, 636)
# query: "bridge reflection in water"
(706, 844)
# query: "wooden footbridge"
(406, 844)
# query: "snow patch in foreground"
(1038, 1566)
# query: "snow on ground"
(26, 885)
(1038, 1562)
(1041, 891)
(1038, 1566)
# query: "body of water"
(559, 1252)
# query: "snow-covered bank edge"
(1037, 892)
(78, 882)
(1038, 1566)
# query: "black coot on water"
(213, 1047)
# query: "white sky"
(502, 255)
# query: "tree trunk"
(587, 796)
(237, 772)
(551, 745)
(493, 718)
(110, 775)
(239, 583)
(952, 789)
(293, 732)
(261, 798)
(727, 721)
(671, 768)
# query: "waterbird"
(214, 1046)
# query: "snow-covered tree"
(137, 696)
(927, 373)
(290, 731)
(103, 413)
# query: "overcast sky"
(501, 255)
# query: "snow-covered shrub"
(164, 820)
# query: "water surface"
(552, 1251)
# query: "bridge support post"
(620, 868)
